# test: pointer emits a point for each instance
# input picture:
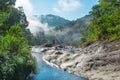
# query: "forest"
(105, 25)
(16, 61)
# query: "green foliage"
(16, 62)
(105, 25)
(15, 30)
(83, 40)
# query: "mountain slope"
(73, 30)
(66, 34)
(77, 24)
(53, 20)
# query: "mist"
(43, 32)
(65, 37)
(36, 26)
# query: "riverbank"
(47, 72)
(94, 62)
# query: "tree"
(16, 62)
(105, 25)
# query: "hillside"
(52, 20)
(73, 31)
(76, 24)
(67, 34)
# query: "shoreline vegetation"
(16, 61)
(105, 25)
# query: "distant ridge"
(53, 20)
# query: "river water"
(46, 72)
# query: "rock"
(91, 62)
(59, 46)
(48, 45)
(58, 53)
(44, 50)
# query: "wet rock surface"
(93, 62)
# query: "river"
(46, 72)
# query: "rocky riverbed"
(94, 62)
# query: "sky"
(69, 9)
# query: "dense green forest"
(16, 62)
(105, 25)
